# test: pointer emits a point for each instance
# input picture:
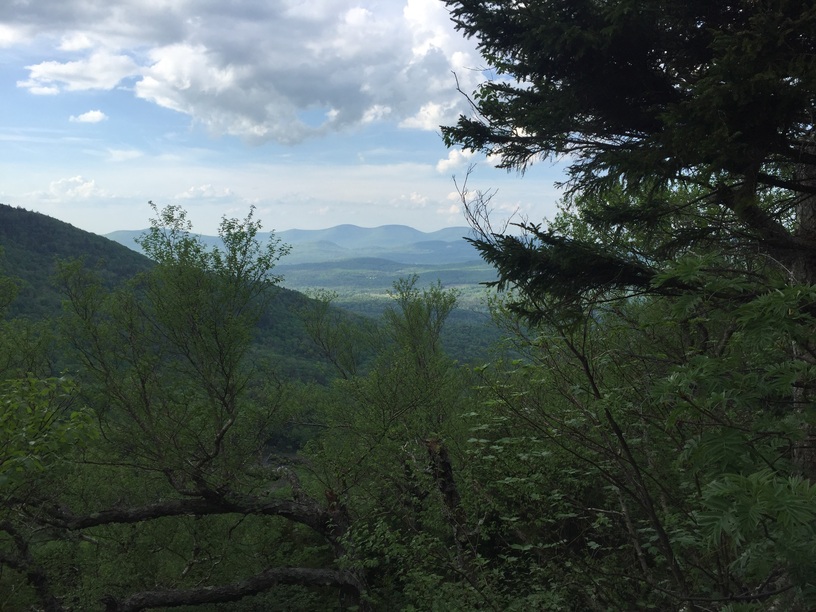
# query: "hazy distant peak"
(393, 242)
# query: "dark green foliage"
(643, 91)
(634, 453)
(541, 262)
(33, 244)
(146, 468)
(651, 100)
(183, 369)
(383, 428)
(643, 439)
(666, 328)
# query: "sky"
(315, 112)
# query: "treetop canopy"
(645, 90)
(688, 125)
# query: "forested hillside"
(35, 246)
(31, 245)
(181, 392)
(642, 437)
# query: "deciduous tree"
(173, 503)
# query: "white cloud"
(41, 90)
(74, 188)
(251, 69)
(412, 201)
(431, 116)
(430, 25)
(203, 192)
(92, 116)
(101, 70)
(457, 158)
(75, 41)
(10, 35)
(121, 155)
(375, 113)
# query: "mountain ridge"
(400, 243)
(32, 243)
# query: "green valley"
(612, 409)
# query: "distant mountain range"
(395, 243)
(31, 244)
(358, 261)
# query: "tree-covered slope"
(32, 244)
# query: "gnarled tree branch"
(253, 585)
(306, 512)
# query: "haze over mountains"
(359, 264)
(396, 243)
(356, 261)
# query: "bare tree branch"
(170, 598)
(305, 511)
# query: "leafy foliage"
(643, 438)
(39, 423)
(179, 431)
(664, 318)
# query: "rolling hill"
(398, 243)
(33, 243)
(361, 264)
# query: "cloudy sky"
(318, 112)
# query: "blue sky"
(317, 113)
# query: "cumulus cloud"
(253, 69)
(375, 113)
(75, 41)
(11, 35)
(92, 116)
(74, 188)
(100, 70)
(457, 158)
(430, 116)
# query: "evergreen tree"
(645, 98)
(667, 316)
